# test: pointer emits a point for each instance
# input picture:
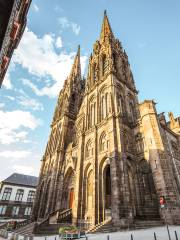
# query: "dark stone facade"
(109, 157)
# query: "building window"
(15, 211)
(104, 143)
(31, 196)
(139, 143)
(27, 211)
(7, 194)
(19, 195)
(89, 149)
(104, 65)
(3, 209)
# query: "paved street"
(147, 234)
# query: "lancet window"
(89, 149)
(104, 65)
(132, 111)
(105, 105)
(139, 143)
(103, 142)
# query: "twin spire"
(106, 31)
(76, 68)
(106, 28)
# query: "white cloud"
(14, 154)
(65, 23)
(7, 81)
(23, 169)
(35, 7)
(2, 105)
(10, 98)
(59, 42)
(29, 103)
(76, 28)
(11, 124)
(42, 60)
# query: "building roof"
(21, 179)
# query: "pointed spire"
(171, 117)
(76, 68)
(106, 28)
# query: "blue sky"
(149, 32)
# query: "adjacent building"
(17, 194)
(109, 156)
(13, 18)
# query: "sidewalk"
(144, 234)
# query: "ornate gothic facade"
(109, 156)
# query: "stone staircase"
(50, 225)
(143, 224)
(105, 226)
(54, 221)
(25, 230)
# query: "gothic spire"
(106, 28)
(76, 68)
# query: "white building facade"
(17, 194)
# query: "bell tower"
(62, 133)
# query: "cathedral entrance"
(68, 190)
(107, 191)
(71, 198)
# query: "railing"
(64, 214)
(59, 214)
(22, 224)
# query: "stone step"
(147, 224)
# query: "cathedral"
(108, 156)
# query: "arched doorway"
(107, 191)
(68, 190)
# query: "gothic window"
(92, 114)
(104, 106)
(7, 194)
(104, 65)
(19, 195)
(139, 143)
(107, 103)
(121, 105)
(104, 143)
(94, 73)
(132, 111)
(89, 149)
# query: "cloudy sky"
(149, 32)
